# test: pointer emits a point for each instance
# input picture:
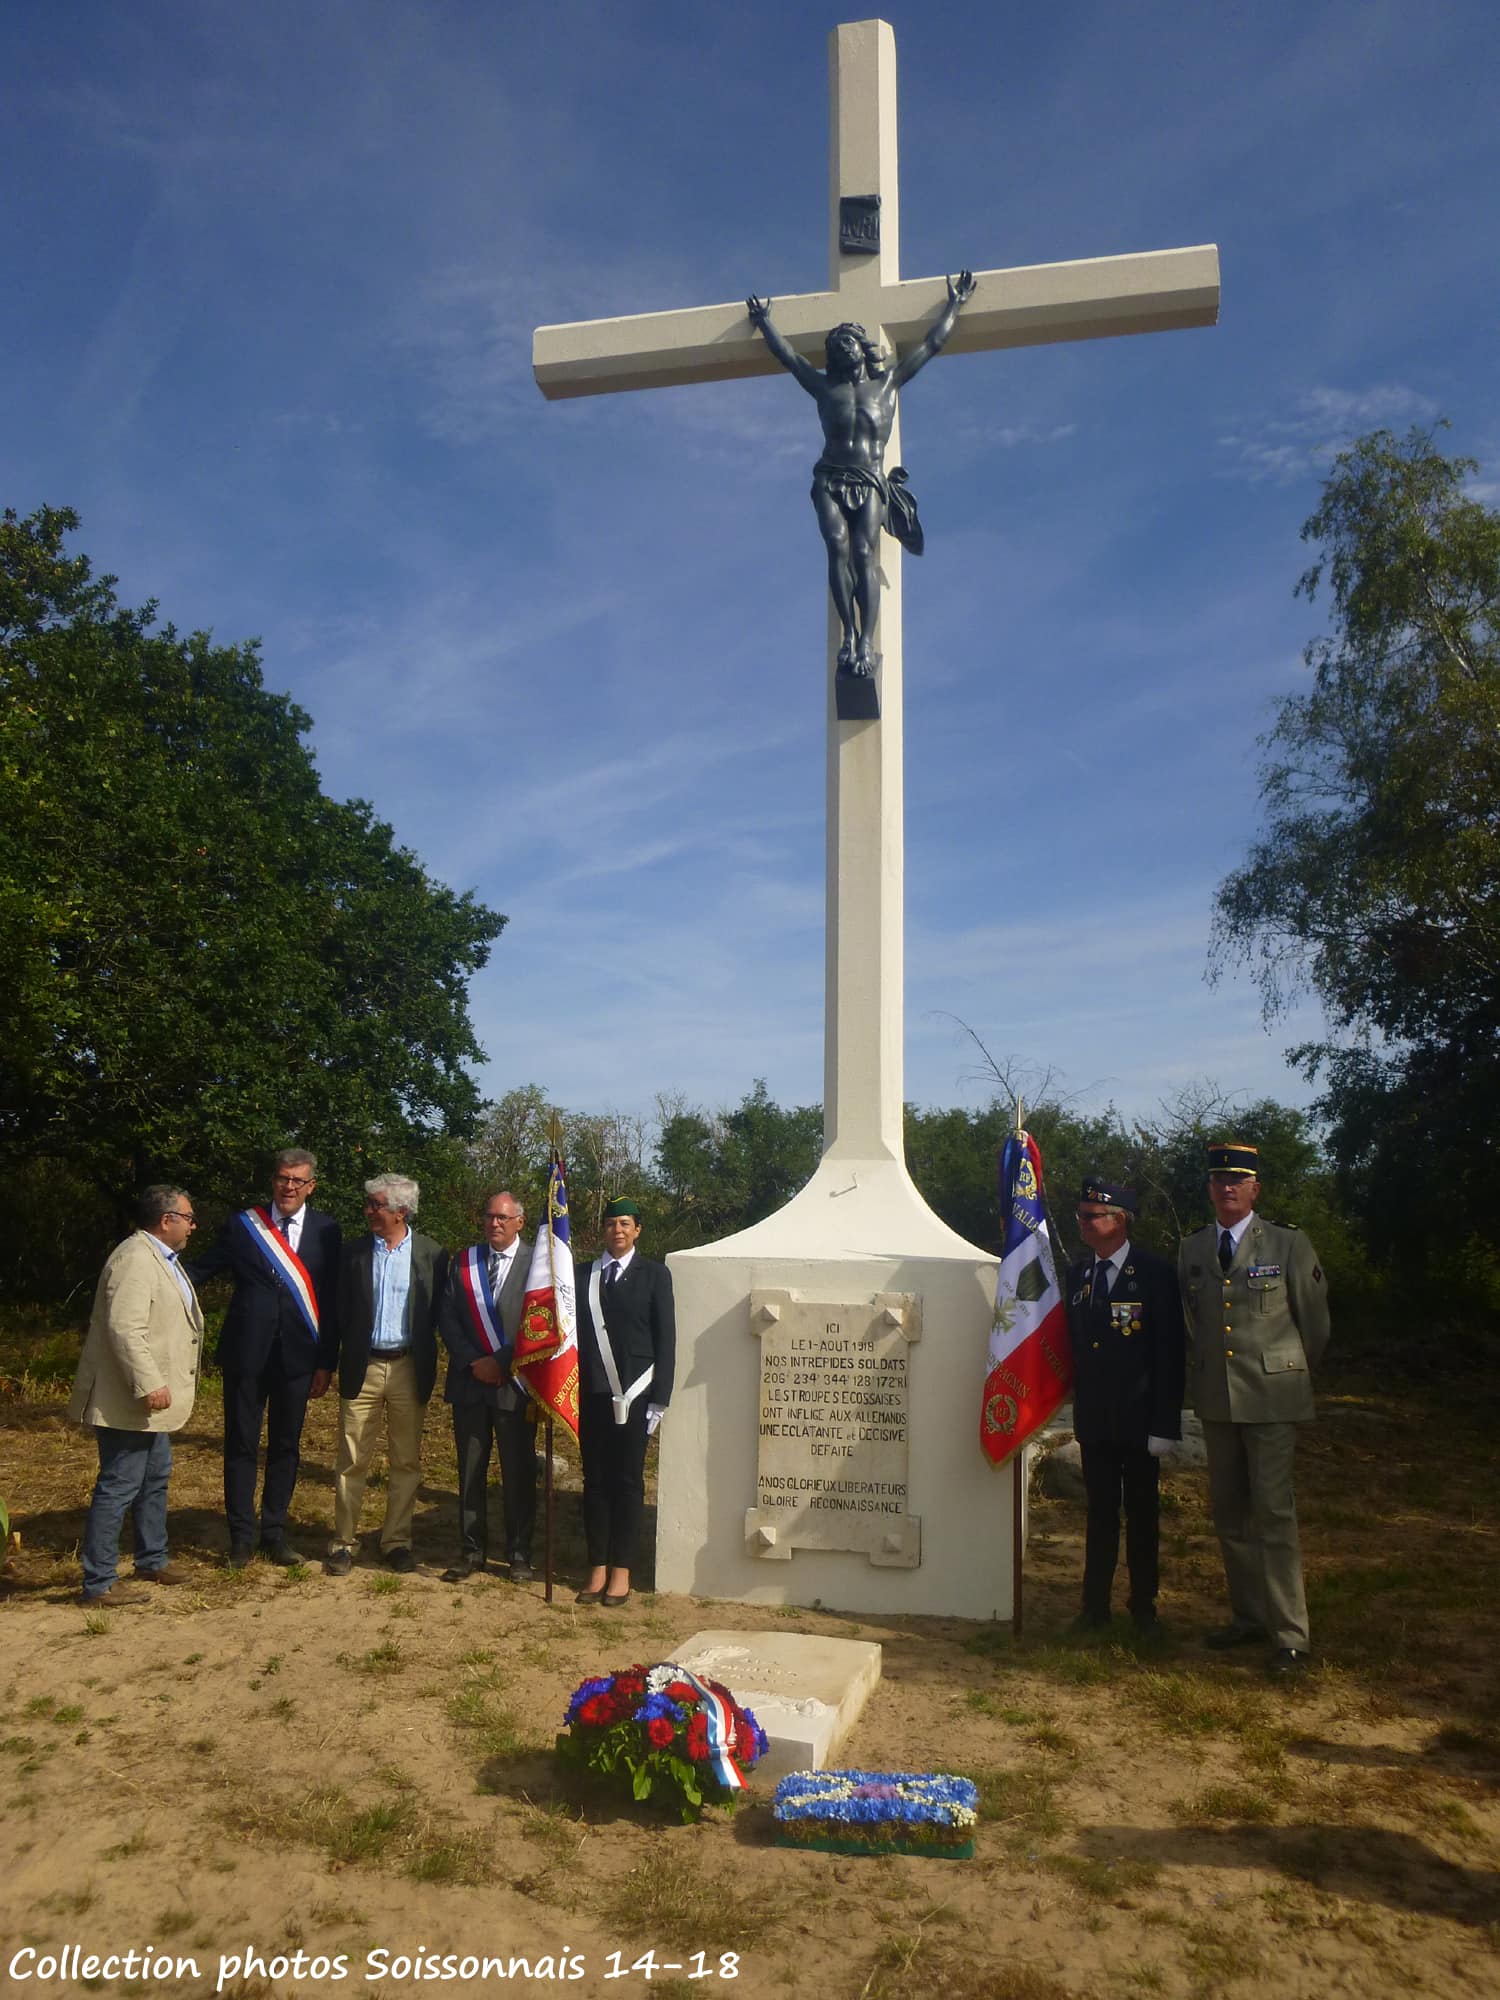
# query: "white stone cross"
(1147, 293)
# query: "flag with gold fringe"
(1030, 1362)
(546, 1357)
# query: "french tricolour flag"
(1031, 1364)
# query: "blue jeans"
(134, 1467)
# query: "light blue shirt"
(177, 1272)
(390, 1274)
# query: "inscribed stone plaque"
(832, 1471)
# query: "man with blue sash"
(284, 1260)
(483, 1302)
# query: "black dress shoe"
(402, 1561)
(521, 1570)
(338, 1562)
(1086, 1624)
(240, 1554)
(1235, 1635)
(589, 1596)
(1148, 1625)
(615, 1598)
(1287, 1661)
(463, 1569)
(280, 1554)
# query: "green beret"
(623, 1205)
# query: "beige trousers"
(389, 1387)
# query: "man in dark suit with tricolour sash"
(284, 1259)
(627, 1350)
(478, 1321)
(1129, 1351)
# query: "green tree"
(202, 957)
(1377, 879)
(723, 1172)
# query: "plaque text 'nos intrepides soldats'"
(834, 1402)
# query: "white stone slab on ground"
(807, 1692)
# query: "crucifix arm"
(760, 317)
(960, 290)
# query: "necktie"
(494, 1270)
(613, 1271)
(1100, 1292)
(284, 1224)
(1226, 1250)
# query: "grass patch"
(1183, 1705)
(384, 1658)
(914, 1962)
(1111, 1881)
(559, 1832)
(1022, 1800)
(674, 1903)
(1237, 1804)
(461, 1860)
(1217, 1960)
(385, 1586)
(491, 1727)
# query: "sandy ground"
(359, 1769)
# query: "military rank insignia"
(1265, 1270)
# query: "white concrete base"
(859, 1228)
(807, 1692)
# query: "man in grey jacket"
(136, 1381)
(479, 1320)
(1257, 1317)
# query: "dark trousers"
(276, 1393)
(476, 1428)
(614, 1478)
(1110, 1472)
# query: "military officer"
(1125, 1325)
(1257, 1316)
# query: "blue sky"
(271, 279)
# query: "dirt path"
(279, 1762)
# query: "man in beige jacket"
(135, 1385)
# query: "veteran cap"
(1109, 1194)
(1231, 1156)
(623, 1205)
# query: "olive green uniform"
(1256, 1334)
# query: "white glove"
(654, 1414)
(1159, 1447)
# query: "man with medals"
(1129, 1351)
(627, 1347)
(479, 1319)
(1257, 1315)
(284, 1259)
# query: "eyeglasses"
(292, 1180)
(505, 1218)
(177, 1215)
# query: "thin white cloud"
(1287, 449)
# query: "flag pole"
(1017, 1487)
(556, 1137)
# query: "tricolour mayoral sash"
(284, 1262)
(622, 1399)
(474, 1290)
